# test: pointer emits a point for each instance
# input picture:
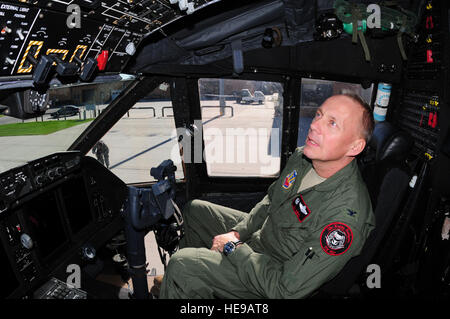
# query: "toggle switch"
(102, 59)
(19, 33)
(9, 61)
(5, 30)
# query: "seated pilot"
(314, 218)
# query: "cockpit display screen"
(77, 204)
(9, 280)
(44, 222)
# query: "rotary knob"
(26, 241)
(88, 252)
(51, 174)
(39, 179)
(59, 171)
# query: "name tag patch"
(289, 179)
(336, 239)
(300, 208)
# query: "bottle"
(382, 102)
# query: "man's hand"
(220, 240)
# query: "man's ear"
(357, 147)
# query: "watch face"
(228, 248)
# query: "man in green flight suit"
(314, 218)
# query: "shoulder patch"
(289, 179)
(300, 208)
(336, 239)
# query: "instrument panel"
(50, 210)
(31, 31)
(109, 31)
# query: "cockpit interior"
(115, 114)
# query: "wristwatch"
(229, 247)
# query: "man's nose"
(315, 125)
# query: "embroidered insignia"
(300, 208)
(289, 179)
(336, 239)
(351, 212)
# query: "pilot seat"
(384, 169)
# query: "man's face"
(334, 130)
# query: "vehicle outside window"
(259, 97)
(314, 92)
(66, 111)
(241, 123)
(245, 97)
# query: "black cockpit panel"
(36, 31)
(50, 209)
(107, 31)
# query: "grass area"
(38, 128)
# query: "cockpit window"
(143, 138)
(70, 110)
(242, 125)
(314, 92)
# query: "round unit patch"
(336, 239)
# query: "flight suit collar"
(332, 182)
